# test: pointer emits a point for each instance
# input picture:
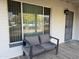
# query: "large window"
(36, 20)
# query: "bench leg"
(31, 57)
(56, 50)
(23, 53)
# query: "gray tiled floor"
(68, 50)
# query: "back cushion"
(34, 40)
(44, 38)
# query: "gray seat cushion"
(33, 40)
(48, 45)
(35, 50)
(44, 38)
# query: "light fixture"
(66, 11)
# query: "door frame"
(65, 25)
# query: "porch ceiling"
(76, 2)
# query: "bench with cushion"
(35, 45)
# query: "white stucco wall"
(78, 23)
(57, 24)
(76, 33)
(5, 51)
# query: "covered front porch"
(11, 47)
(67, 50)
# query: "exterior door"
(69, 26)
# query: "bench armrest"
(30, 46)
(55, 39)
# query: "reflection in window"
(29, 23)
(40, 21)
(33, 19)
(46, 20)
(14, 12)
